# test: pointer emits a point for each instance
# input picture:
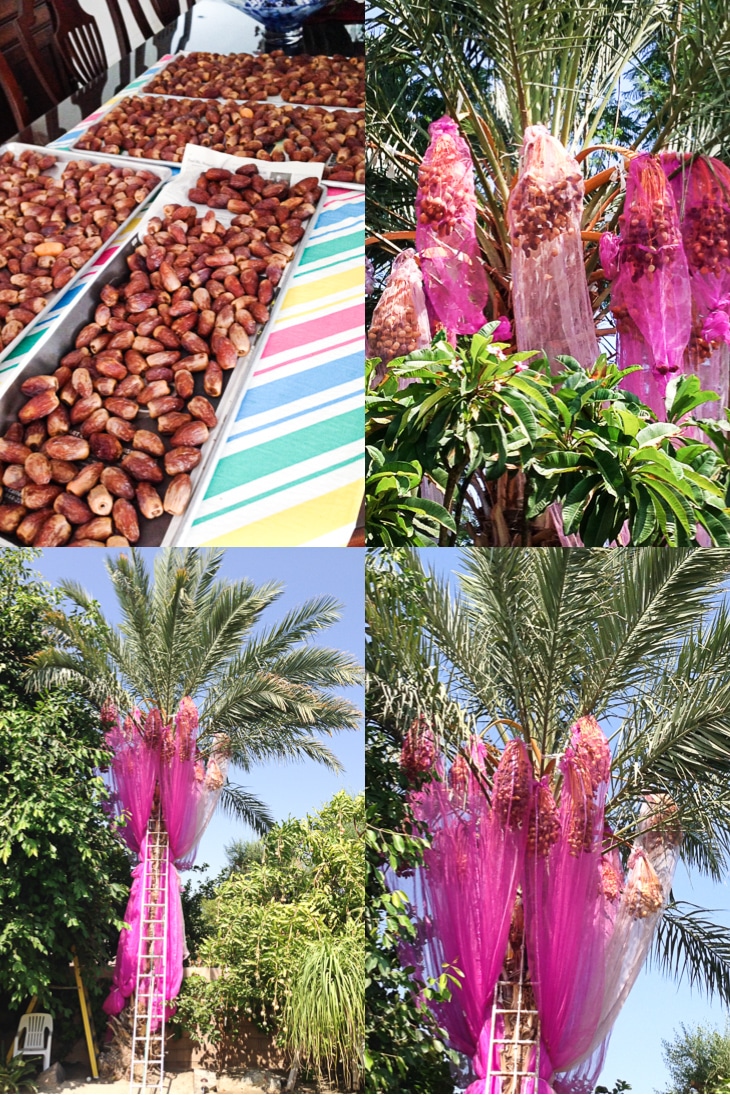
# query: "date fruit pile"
(543, 210)
(153, 128)
(50, 227)
(110, 438)
(650, 235)
(315, 81)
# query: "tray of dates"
(110, 432)
(56, 211)
(319, 80)
(156, 129)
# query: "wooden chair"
(120, 27)
(14, 95)
(79, 41)
(51, 78)
(168, 10)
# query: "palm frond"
(688, 945)
(241, 805)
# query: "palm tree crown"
(187, 632)
(638, 638)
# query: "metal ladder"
(147, 1069)
(504, 1004)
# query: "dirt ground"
(177, 1083)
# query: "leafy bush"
(476, 419)
(288, 934)
(61, 870)
(699, 1058)
(17, 1075)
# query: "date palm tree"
(184, 631)
(271, 693)
(533, 640)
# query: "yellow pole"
(85, 1016)
(28, 1010)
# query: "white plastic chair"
(38, 1027)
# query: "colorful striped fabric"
(291, 471)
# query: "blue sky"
(290, 790)
(657, 1005)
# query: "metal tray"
(78, 131)
(166, 530)
(275, 100)
(63, 157)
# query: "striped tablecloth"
(291, 471)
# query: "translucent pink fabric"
(639, 907)
(564, 914)
(400, 322)
(132, 776)
(701, 189)
(587, 927)
(190, 790)
(650, 297)
(446, 241)
(157, 764)
(552, 307)
(125, 969)
(467, 887)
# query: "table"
(209, 25)
(291, 471)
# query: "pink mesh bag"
(466, 890)
(158, 767)
(508, 863)
(650, 297)
(701, 189)
(446, 241)
(564, 903)
(400, 320)
(552, 308)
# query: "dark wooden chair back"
(120, 27)
(79, 41)
(51, 77)
(168, 10)
(14, 95)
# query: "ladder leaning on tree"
(147, 1068)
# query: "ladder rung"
(516, 1011)
(513, 1041)
(530, 1075)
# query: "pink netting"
(132, 776)
(552, 308)
(564, 914)
(701, 189)
(446, 213)
(639, 907)
(650, 297)
(125, 969)
(400, 321)
(515, 881)
(466, 890)
(157, 770)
